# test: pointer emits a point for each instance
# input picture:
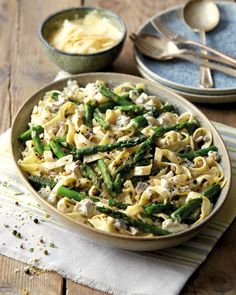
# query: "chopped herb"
(45, 252)
(52, 245)
(6, 225)
(19, 193)
(31, 249)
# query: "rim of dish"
(192, 97)
(176, 85)
(116, 235)
(51, 16)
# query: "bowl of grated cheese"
(83, 39)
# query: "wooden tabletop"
(24, 68)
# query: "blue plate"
(180, 74)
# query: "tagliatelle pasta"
(121, 160)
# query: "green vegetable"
(159, 208)
(212, 192)
(129, 221)
(57, 149)
(148, 144)
(47, 147)
(71, 194)
(55, 95)
(190, 126)
(88, 116)
(37, 141)
(130, 109)
(108, 147)
(118, 204)
(140, 110)
(155, 112)
(105, 174)
(193, 154)
(27, 134)
(39, 182)
(106, 105)
(186, 210)
(89, 173)
(140, 121)
(119, 180)
(101, 121)
(113, 96)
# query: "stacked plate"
(181, 76)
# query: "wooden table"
(24, 68)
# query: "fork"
(178, 39)
(147, 49)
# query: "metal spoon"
(202, 16)
(161, 48)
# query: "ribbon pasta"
(116, 175)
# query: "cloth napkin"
(29, 234)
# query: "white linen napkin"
(111, 270)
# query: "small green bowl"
(80, 63)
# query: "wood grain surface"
(24, 68)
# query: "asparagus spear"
(102, 122)
(159, 208)
(119, 180)
(185, 211)
(212, 192)
(190, 126)
(37, 141)
(27, 134)
(155, 112)
(141, 225)
(71, 194)
(130, 109)
(108, 147)
(147, 145)
(118, 204)
(57, 149)
(106, 105)
(88, 116)
(116, 98)
(89, 173)
(193, 154)
(140, 110)
(140, 121)
(39, 182)
(105, 174)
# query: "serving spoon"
(202, 16)
(161, 48)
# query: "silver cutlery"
(178, 39)
(160, 48)
(202, 16)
